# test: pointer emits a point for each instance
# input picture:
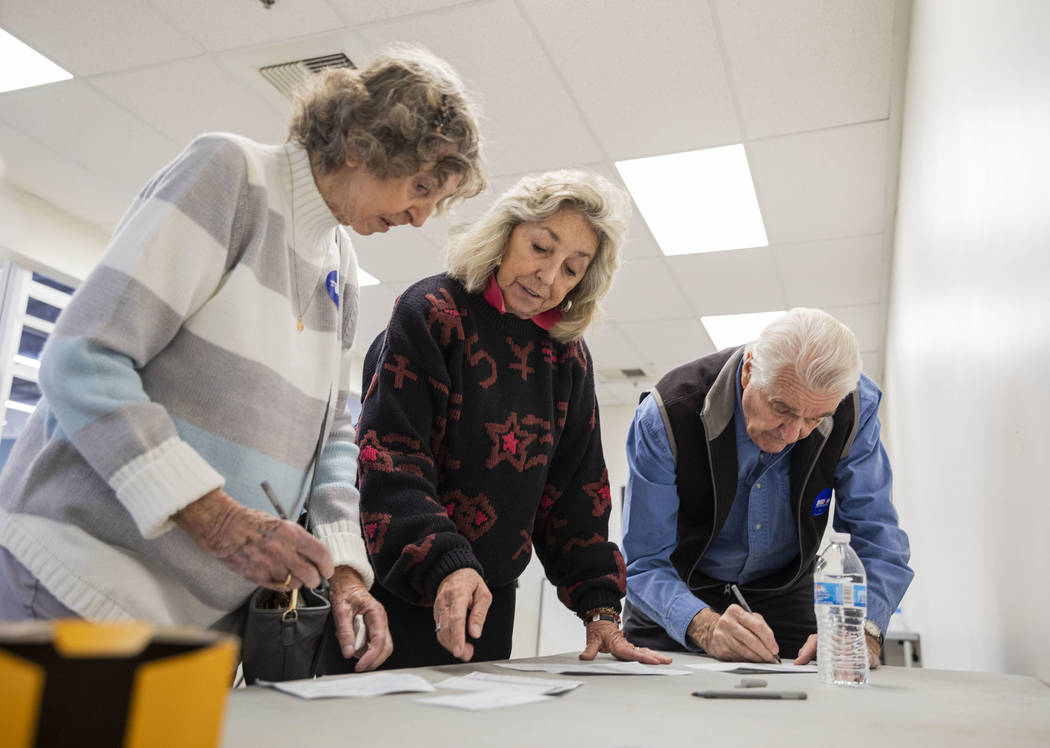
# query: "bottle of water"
(840, 601)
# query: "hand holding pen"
(738, 635)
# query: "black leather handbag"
(285, 632)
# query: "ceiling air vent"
(620, 375)
(286, 76)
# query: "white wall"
(968, 345)
(40, 236)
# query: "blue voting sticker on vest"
(332, 284)
(823, 501)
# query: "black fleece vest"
(699, 398)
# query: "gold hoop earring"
(567, 305)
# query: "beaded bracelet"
(600, 614)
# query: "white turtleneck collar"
(313, 219)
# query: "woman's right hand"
(261, 548)
(460, 591)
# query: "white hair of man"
(819, 349)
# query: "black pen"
(743, 604)
(790, 695)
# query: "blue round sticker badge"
(331, 282)
(823, 501)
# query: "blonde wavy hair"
(402, 111)
(474, 251)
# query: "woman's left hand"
(351, 598)
(605, 636)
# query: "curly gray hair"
(475, 251)
(402, 111)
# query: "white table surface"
(901, 707)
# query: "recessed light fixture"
(697, 201)
(728, 330)
(24, 67)
(364, 278)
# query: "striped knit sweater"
(177, 368)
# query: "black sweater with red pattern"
(479, 442)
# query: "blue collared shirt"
(759, 535)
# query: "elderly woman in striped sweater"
(210, 350)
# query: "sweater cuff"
(343, 540)
(161, 482)
(597, 598)
(454, 560)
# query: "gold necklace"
(295, 263)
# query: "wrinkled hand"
(460, 591)
(350, 598)
(808, 652)
(736, 635)
(605, 636)
(261, 548)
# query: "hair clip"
(444, 115)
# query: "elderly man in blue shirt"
(733, 460)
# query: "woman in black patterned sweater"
(479, 432)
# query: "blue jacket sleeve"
(864, 509)
(650, 528)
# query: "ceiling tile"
(645, 290)
(54, 178)
(822, 185)
(530, 122)
(356, 12)
(609, 348)
(833, 272)
(402, 254)
(159, 96)
(866, 321)
(96, 36)
(621, 393)
(808, 64)
(227, 25)
(671, 342)
(78, 122)
(733, 282)
(649, 76)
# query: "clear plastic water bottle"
(840, 596)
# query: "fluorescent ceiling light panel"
(24, 67)
(728, 330)
(698, 201)
(366, 279)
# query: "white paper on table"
(359, 686)
(595, 668)
(492, 699)
(754, 667)
(478, 681)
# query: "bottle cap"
(840, 537)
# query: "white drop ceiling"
(810, 87)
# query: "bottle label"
(827, 593)
(837, 593)
(860, 596)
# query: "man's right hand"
(261, 548)
(736, 635)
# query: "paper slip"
(490, 681)
(493, 699)
(359, 686)
(595, 668)
(754, 667)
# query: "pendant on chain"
(300, 324)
